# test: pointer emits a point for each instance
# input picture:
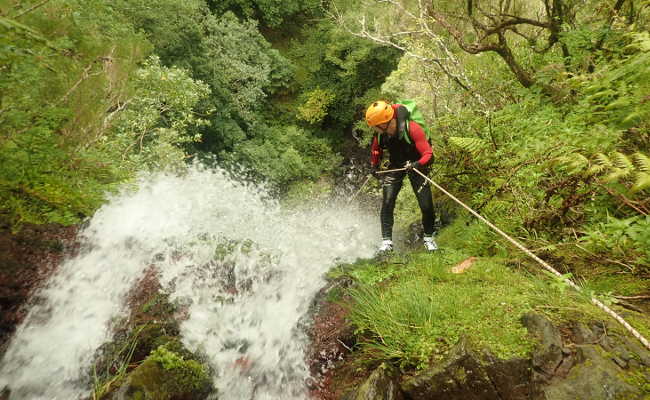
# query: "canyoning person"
(409, 149)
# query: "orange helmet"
(379, 112)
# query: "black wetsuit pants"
(391, 186)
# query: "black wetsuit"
(401, 151)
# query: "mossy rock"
(381, 385)
(596, 378)
(166, 375)
(149, 338)
(471, 373)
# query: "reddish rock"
(27, 259)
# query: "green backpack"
(416, 116)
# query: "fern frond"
(578, 161)
(471, 145)
(595, 169)
(604, 161)
(641, 182)
(616, 174)
(622, 161)
(574, 163)
(642, 162)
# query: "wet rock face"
(165, 375)
(549, 353)
(604, 366)
(332, 338)
(27, 259)
(471, 375)
(381, 385)
(578, 361)
(159, 365)
(588, 362)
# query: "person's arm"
(421, 143)
(375, 152)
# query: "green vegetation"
(539, 112)
(82, 109)
(145, 359)
(411, 309)
(167, 375)
(95, 92)
(540, 121)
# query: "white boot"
(386, 246)
(430, 244)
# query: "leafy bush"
(271, 12)
(627, 239)
(80, 115)
(156, 123)
(285, 154)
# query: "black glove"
(410, 165)
(374, 171)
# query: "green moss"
(152, 326)
(166, 375)
(158, 306)
(411, 309)
(641, 380)
(460, 375)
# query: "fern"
(642, 161)
(623, 162)
(574, 163)
(622, 168)
(616, 168)
(603, 160)
(641, 182)
(474, 146)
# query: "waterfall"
(247, 267)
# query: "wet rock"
(595, 378)
(332, 338)
(630, 349)
(602, 366)
(462, 375)
(149, 338)
(511, 378)
(582, 334)
(549, 352)
(166, 375)
(380, 385)
(27, 259)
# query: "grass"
(107, 380)
(410, 309)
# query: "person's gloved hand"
(411, 165)
(374, 171)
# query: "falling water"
(246, 301)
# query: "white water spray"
(246, 303)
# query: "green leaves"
(474, 146)
(314, 109)
(272, 13)
(79, 115)
(285, 154)
(627, 238)
(150, 131)
(618, 167)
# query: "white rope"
(361, 188)
(543, 263)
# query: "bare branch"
(513, 21)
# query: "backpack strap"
(403, 122)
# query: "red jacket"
(401, 151)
